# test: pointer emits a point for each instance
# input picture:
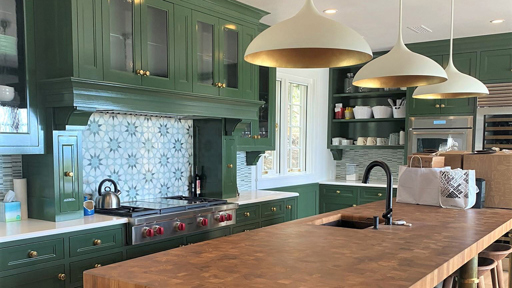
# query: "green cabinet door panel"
(291, 209)
(31, 254)
(183, 48)
(496, 66)
(157, 43)
(328, 206)
(69, 171)
(272, 209)
(267, 117)
(40, 278)
(308, 200)
(464, 62)
(247, 213)
(230, 58)
(272, 221)
(121, 41)
(250, 71)
(150, 248)
(205, 47)
(229, 168)
(95, 242)
(209, 235)
(245, 227)
(77, 268)
(90, 39)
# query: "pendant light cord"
(450, 62)
(400, 38)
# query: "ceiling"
(377, 20)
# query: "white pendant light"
(400, 67)
(459, 85)
(308, 40)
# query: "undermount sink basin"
(347, 221)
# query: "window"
(291, 118)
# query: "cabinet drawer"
(95, 242)
(245, 227)
(374, 194)
(205, 236)
(76, 269)
(31, 254)
(146, 248)
(247, 213)
(41, 278)
(339, 191)
(272, 209)
(272, 221)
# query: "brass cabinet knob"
(223, 85)
(230, 166)
(181, 245)
(442, 106)
(437, 105)
(247, 214)
(96, 242)
(69, 174)
(254, 137)
(338, 191)
(246, 230)
(273, 209)
(139, 72)
(147, 73)
(217, 84)
(354, 205)
(61, 276)
(288, 207)
(259, 137)
(32, 254)
(380, 194)
(97, 265)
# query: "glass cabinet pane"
(230, 58)
(264, 96)
(158, 49)
(121, 35)
(13, 96)
(245, 129)
(205, 53)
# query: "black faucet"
(388, 214)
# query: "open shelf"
(368, 120)
(366, 147)
(394, 93)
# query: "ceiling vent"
(500, 95)
(420, 29)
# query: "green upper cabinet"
(183, 48)
(496, 66)
(19, 114)
(90, 39)
(217, 61)
(250, 71)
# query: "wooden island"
(303, 253)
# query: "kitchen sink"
(349, 224)
(347, 221)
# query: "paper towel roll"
(402, 138)
(20, 189)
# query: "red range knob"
(158, 230)
(203, 222)
(221, 218)
(229, 217)
(148, 232)
(180, 226)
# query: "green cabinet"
(32, 253)
(183, 45)
(77, 268)
(307, 202)
(89, 39)
(291, 210)
(95, 242)
(49, 277)
(336, 197)
(150, 248)
(208, 235)
(496, 66)
(246, 227)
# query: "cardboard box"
(427, 161)
(496, 170)
(10, 211)
(454, 159)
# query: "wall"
(148, 156)
(10, 168)
(394, 158)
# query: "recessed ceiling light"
(330, 11)
(497, 21)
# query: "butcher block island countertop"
(302, 253)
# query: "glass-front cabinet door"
(157, 25)
(231, 59)
(18, 112)
(267, 114)
(121, 42)
(205, 50)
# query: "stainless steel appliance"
(173, 216)
(108, 199)
(429, 133)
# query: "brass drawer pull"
(354, 205)
(96, 242)
(338, 191)
(32, 254)
(69, 174)
(140, 72)
(437, 106)
(61, 276)
(97, 265)
(147, 73)
(273, 209)
(442, 106)
(380, 194)
(246, 230)
(247, 214)
(288, 207)
(230, 166)
(223, 85)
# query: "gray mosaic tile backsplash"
(10, 168)
(149, 157)
(243, 173)
(362, 158)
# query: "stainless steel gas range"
(173, 216)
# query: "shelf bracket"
(337, 154)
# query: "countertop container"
(382, 112)
(363, 112)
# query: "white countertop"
(356, 183)
(31, 228)
(255, 196)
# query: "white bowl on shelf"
(382, 112)
(6, 93)
(362, 112)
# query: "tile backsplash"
(10, 168)
(243, 173)
(362, 158)
(148, 157)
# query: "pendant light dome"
(308, 40)
(459, 85)
(400, 67)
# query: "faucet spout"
(388, 213)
